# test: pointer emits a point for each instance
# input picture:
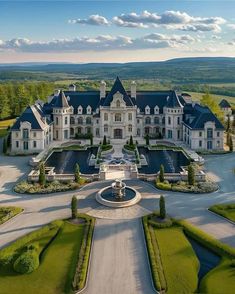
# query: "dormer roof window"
(88, 109)
(79, 109)
(147, 110)
(156, 110)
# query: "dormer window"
(147, 110)
(88, 109)
(138, 110)
(79, 109)
(118, 104)
(156, 110)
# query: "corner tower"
(173, 117)
(61, 117)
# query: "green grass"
(225, 210)
(58, 262)
(7, 213)
(179, 261)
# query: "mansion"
(117, 114)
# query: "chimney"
(133, 89)
(102, 89)
(72, 88)
(56, 92)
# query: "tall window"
(169, 134)
(129, 128)
(148, 120)
(106, 116)
(80, 120)
(118, 117)
(169, 120)
(106, 128)
(129, 116)
(25, 133)
(178, 120)
(88, 120)
(66, 120)
(72, 120)
(209, 133)
(34, 144)
(56, 121)
(156, 120)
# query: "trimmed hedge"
(80, 275)
(154, 257)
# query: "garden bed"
(60, 247)
(225, 210)
(50, 187)
(200, 187)
(7, 213)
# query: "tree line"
(16, 96)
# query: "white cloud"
(99, 43)
(231, 26)
(170, 20)
(232, 43)
(94, 19)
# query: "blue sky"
(115, 31)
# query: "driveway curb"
(222, 217)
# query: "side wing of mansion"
(118, 114)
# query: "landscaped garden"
(174, 263)
(225, 210)
(187, 186)
(7, 213)
(53, 259)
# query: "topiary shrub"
(27, 262)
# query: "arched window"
(88, 120)
(148, 120)
(88, 130)
(118, 104)
(79, 130)
(71, 131)
(118, 117)
(156, 120)
(80, 120)
(147, 130)
(129, 128)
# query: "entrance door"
(209, 145)
(26, 145)
(117, 134)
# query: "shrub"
(27, 262)
(42, 175)
(77, 173)
(74, 207)
(191, 175)
(163, 186)
(161, 174)
(162, 207)
(104, 140)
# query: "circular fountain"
(118, 195)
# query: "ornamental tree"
(42, 174)
(131, 141)
(161, 174)
(162, 207)
(191, 175)
(74, 203)
(77, 173)
(104, 140)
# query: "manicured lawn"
(58, 260)
(225, 210)
(7, 213)
(180, 263)
(219, 280)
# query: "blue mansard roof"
(224, 104)
(32, 114)
(195, 117)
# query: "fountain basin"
(105, 197)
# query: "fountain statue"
(118, 189)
